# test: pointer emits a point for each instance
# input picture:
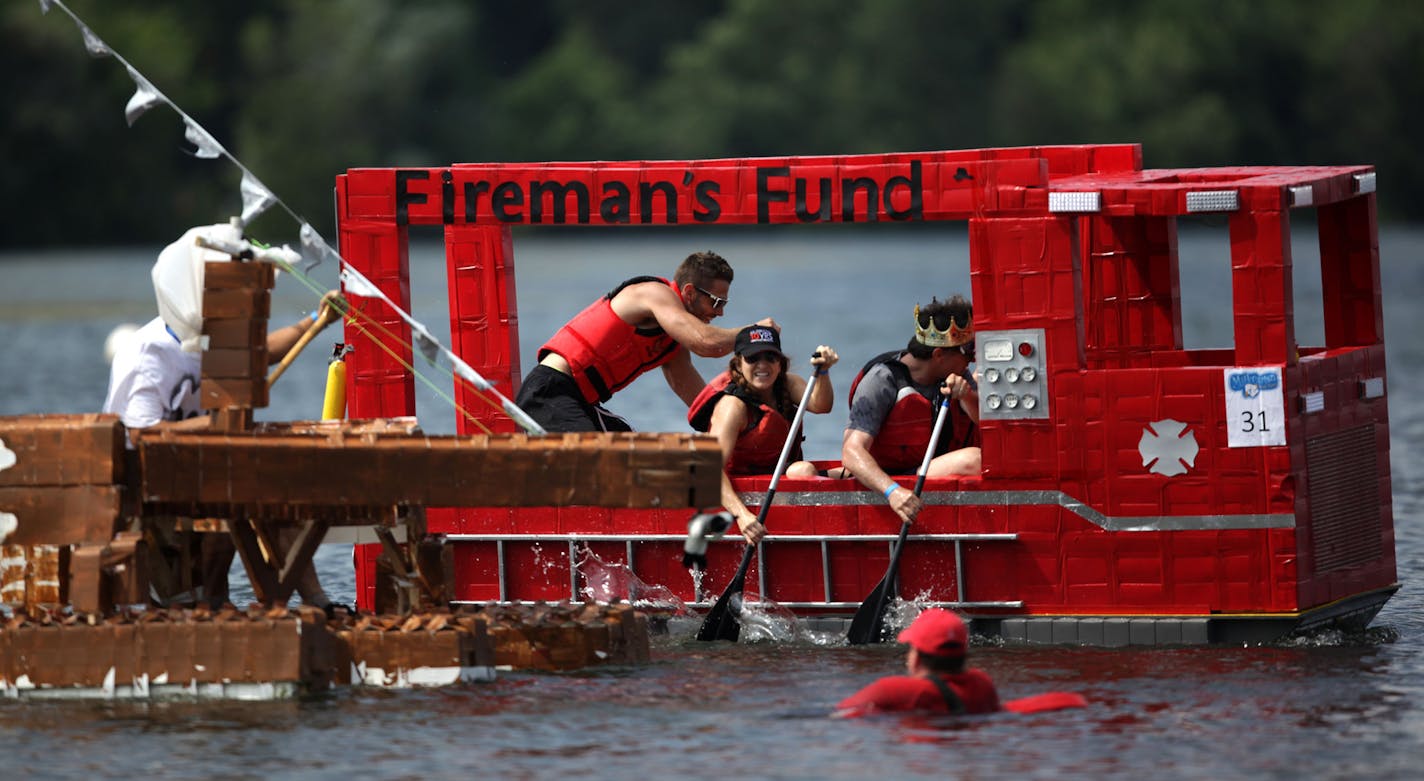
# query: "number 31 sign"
(1255, 407)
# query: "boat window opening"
(1204, 275)
(1308, 289)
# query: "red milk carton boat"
(1132, 491)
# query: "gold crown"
(953, 336)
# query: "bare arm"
(729, 417)
(962, 390)
(281, 341)
(683, 377)
(823, 396)
(645, 302)
(855, 456)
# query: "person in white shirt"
(154, 381)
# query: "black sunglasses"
(717, 301)
(765, 356)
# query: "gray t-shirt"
(876, 395)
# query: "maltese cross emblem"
(1167, 448)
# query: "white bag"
(178, 280)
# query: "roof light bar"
(1075, 201)
(1213, 201)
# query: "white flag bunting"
(144, 98)
(257, 198)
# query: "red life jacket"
(604, 352)
(759, 445)
(971, 691)
(899, 448)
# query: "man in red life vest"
(938, 680)
(894, 401)
(644, 323)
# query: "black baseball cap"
(758, 339)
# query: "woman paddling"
(749, 409)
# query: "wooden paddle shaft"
(324, 318)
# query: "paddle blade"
(868, 625)
(1047, 701)
(720, 624)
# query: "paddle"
(719, 623)
(327, 314)
(868, 625)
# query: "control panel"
(1012, 385)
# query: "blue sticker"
(1250, 384)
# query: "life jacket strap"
(951, 700)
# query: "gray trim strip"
(1144, 523)
(1014, 603)
(631, 538)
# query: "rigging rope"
(257, 198)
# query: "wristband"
(315, 313)
(821, 372)
(891, 490)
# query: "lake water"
(1325, 706)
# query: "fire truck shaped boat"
(1132, 491)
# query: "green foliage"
(301, 90)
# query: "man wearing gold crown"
(894, 400)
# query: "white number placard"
(1255, 406)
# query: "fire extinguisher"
(334, 406)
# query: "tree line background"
(301, 90)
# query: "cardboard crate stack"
(61, 481)
(237, 300)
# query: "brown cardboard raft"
(254, 654)
(272, 653)
(565, 636)
(417, 649)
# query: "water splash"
(697, 576)
(551, 563)
(764, 620)
(901, 612)
(1336, 637)
(613, 581)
